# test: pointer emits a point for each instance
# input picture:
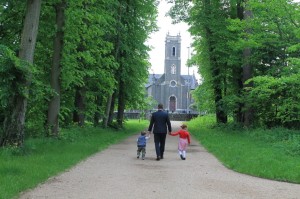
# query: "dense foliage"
(91, 62)
(248, 56)
(86, 53)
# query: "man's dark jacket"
(161, 122)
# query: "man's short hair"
(160, 106)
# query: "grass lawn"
(21, 169)
(272, 153)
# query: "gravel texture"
(116, 173)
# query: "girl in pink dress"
(184, 140)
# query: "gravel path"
(116, 173)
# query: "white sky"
(157, 41)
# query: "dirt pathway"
(116, 173)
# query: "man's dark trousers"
(160, 140)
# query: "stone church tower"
(171, 88)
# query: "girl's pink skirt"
(182, 144)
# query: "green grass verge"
(22, 169)
(272, 154)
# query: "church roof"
(152, 78)
(159, 78)
(193, 80)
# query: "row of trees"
(64, 62)
(248, 53)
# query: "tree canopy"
(86, 52)
(247, 52)
(72, 62)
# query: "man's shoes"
(158, 158)
(162, 157)
(138, 157)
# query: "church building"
(171, 88)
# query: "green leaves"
(14, 73)
(277, 99)
(221, 36)
(100, 37)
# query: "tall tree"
(117, 40)
(54, 104)
(208, 25)
(135, 20)
(14, 123)
(139, 21)
(247, 74)
(87, 62)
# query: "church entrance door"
(172, 104)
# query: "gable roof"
(159, 78)
(192, 79)
(152, 78)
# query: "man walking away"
(160, 124)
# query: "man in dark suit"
(160, 123)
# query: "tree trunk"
(121, 104)
(112, 109)
(98, 102)
(79, 113)
(221, 116)
(237, 74)
(54, 104)
(238, 113)
(108, 104)
(220, 113)
(14, 124)
(109, 115)
(247, 74)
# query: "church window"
(173, 69)
(173, 83)
(173, 51)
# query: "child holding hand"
(141, 144)
(184, 140)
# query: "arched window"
(173, 69)
(173, 51)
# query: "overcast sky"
(157, 41)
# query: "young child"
(141, 144)
(184, 140)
